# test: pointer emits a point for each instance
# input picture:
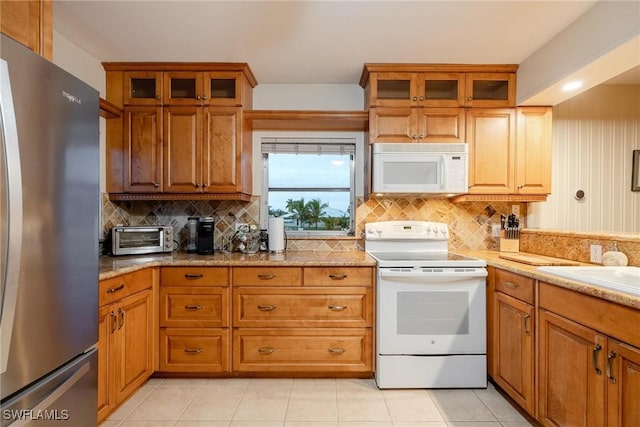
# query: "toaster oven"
(141, 240)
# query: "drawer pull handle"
(337, 350)
(116, 289)
(193, 350)
(266, 276)
(511, 285)
(266, 350)
(610, 358)
(121, 313)
(193, 307)
(337, 276)
(337, 307)
(594, 360)
(193, 276)
(114, 322)
(269, 307)
(526, 324)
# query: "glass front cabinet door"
(143, 88)
(490, 90)
(203, 88)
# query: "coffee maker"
(205, 228)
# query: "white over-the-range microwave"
(434, 168)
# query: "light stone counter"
(114, 266)
(492, 258)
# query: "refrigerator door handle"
(11, 217)
(56, 394)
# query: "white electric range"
(431, 308)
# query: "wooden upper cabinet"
(142, 87)
(490, 90)
(29, 22)
(183, 149)
(491, 136)
(221, 149)
(221, 88)
(404, 89)
(389, 124)
(533, 150)
(142, 149)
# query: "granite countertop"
(114, 266)
(492, 258)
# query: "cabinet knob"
(422, 98)
(155, 184)
(197, 185)
(414, 136)
(421, 136)
(204, 97)
(415, 98)
(198, 97)
(469, 98)
(157, 96)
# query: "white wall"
(78, 62)
(594, 135)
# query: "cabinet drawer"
(300, 350)
(338, 276)
(194, 276)
(194, 307)
(259, 307)
(120, 287)
(517, 286)
(194, 350)
(267, 276)
(612, 319)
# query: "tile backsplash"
(469, 222)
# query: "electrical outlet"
(596, 253)
(242, 227)
(495, 230)
(515, 209)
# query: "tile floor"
(262, 402)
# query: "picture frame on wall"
(635, 171)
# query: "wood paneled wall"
(594, 135)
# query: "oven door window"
(433, 313)
(140, 239)
(431, 316)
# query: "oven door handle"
(384, 274)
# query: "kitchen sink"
(621, 279)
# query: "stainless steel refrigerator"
(49, 196)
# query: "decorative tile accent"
(575, 246)
(469, 222)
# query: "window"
(310, 183)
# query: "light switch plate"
(515, 209)
(495, 230)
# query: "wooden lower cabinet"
(512, 338)
(194, 350)
(587, 376)
(125, 348)
(623, 384)
(303, 320)
(571, 388)
(302, 350)
(194, 320)
(514, 350)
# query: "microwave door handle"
(11, 218)
(443, 176)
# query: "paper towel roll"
(276, 234)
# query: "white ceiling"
(314, 41)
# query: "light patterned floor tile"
(357, 385)
(108, 423)
(315, 383)
(132, 402)
(474, 424)
(461, 405)
(312, 404)
(138, 423)
(164, 403)
(411, 405)
(227, 382)
(202, 424)
(312, 424)
(182, 382)
(366, 424)
(419, 424)
(517, 424)
(270, 382)
(214, 404)
(256, 424)
(362, 407)
(499, 406)
(263, 404)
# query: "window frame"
(308, 143)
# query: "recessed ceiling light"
(571, 86)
